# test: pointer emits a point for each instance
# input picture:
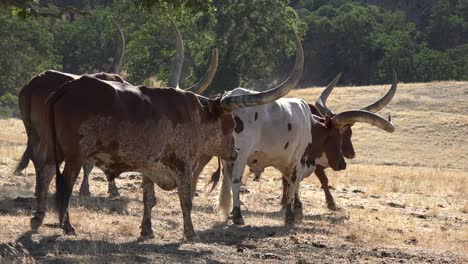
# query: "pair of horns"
(230, 103)
(365, 114)
(176, 69)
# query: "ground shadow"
(55, 249)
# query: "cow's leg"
(284, 196)
(149, 201)
(64, 191)
(292, 184)
(320, 173)
(298, 211)
(200, 165)
(184, 189)
(44, 176)
(112, 187)
(84, 189)
(236, 177)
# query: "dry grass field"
(403, 199)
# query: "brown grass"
(404, 198)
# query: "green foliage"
(86, 45)
(8, 106)
(254, 39)
(252, 36)
(26, 49)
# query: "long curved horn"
(375, 107)
(116, 65)
(176, 67)
(321, 102)
(233, 102)
(206, 80)
(353, 116)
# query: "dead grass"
(404, 198)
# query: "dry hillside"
(403, 199)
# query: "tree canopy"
(254, 39)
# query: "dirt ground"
(403, 199)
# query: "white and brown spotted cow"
(158, 132)
(347, 148)
(287, 136)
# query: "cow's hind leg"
(112, 187)
(292, 186)
(184, 189)
(65, 184)
(319, 171)
(149, 201)
(84, 189)
(44, 176)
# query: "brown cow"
(158, 132)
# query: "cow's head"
(346, 131)
(220, 109)
(337, 140)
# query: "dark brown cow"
(158, 132)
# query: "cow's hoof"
(298, 214)
(237, 216)
(114, 194)
(238, 221)
(289, 221)
(85, 193)
(144, 237)
(36, 222)
(332, 206)
(69, 231)
(192, 237)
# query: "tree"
(253, 36)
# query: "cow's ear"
(328, 122)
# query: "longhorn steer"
(346, 134)
(287, 136)
(158, 132)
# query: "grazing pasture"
(404, 198)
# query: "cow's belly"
(162, 175)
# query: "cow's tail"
(24, 103)
(225, 196)
(23, 163)
(60, 182)
(215, 176)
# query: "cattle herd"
(169, 134)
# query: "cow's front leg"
(149, 201)
(84, 189)
(292, 184)
(319, 171)
(298, 209)
(184, 189)
(236, 177)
